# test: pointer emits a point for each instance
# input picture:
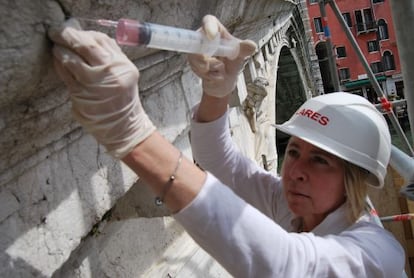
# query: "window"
(318, 25)
(377, 1)
(376, 67)
(373, 46)
(344, 74)
(382, 30)
(340, 51)
(359, 21)
(388, 60)
(369, 19)
(364, 20)
(313, 1)
(347, 17)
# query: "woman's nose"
(298, 170)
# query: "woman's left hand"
(218, 74)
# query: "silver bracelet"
(159, 200)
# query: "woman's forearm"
(154, 161)
(211, 108)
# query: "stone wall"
(70, 210)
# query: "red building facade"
(371, 24)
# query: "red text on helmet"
(317, 117)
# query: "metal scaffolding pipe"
(403, 18)
(356, 47)
(394, 102)
(398, 217)
(404, 165)
(329, 49)
(371, 75)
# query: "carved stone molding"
(256, 92)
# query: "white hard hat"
(345, 125)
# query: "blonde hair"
(356, 186)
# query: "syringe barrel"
(132, 32)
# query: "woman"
(309, 223)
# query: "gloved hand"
(218, 74)
(103, 87)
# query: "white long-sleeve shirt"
(242, 219)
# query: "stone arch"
(290, 90)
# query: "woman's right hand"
(219, 74)
(103, 87)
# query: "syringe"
(134, 33)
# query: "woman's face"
(313, 180)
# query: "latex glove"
(219, 74)
(103, 87)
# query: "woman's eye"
(319, 159)
(292, 152)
